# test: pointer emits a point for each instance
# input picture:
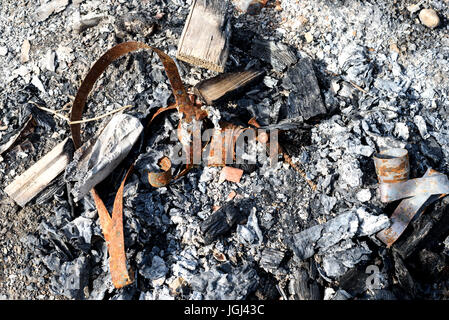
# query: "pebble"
(364, 195)
(25, 52)
(3, 51)
(49, 60)
(429, 18)
(308, 36)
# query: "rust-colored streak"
(113, 227)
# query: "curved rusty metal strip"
(112, 227)
(392, 168)
(182, 99)
(406, 212)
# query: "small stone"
(364, 195)
(49, 60)
(413, 8)
(38, 84)
(429, 18)
(308, 36)
(3, 51)
(25, 52)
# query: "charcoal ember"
(432, 265)
(267, 289)
(233, 285)
(271, 259)
(304, 100)
(157, 270)
(345, 226)
(278, 54)
(47, 194)
(431, 225)
(266, 112)
(43, 119)
(355, 281)
(305, 287)
(293, 140)
(403, 276)
(79, 233)
(53, 239)
(95, 160)
(73, 277)
(221, 222)
(339, 258)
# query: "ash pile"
(357, 91)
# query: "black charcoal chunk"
(221, 222)
(279, 55)
(305, 98)
(305, 287)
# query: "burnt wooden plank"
(205, 39)
(305, 96)
(226, 85)
(26, 186)
(278, 54)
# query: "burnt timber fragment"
(305, 98)
(221, 222)
(305, 287)
(278, 54)
(29, 184)
(205, 39)
(226, 85)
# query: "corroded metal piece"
(392, 167)
(113, 227)
(161, 179)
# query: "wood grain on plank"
(26, 186)
(205, 39)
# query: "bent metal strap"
(112, 227)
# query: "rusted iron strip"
(404, 214)
(435, 184)
(113, 227)
(392, 168)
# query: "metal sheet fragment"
(113, 227)
(392, 168)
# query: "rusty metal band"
(405, 212)
(112, 227)
(435, 184)
(392, 165)
(392, 168)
